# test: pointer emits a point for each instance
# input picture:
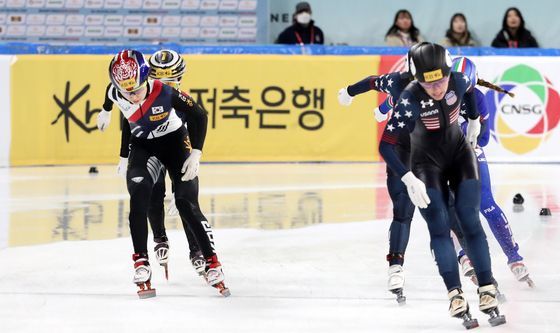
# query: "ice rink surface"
(302, 245)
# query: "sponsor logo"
(433, 75)
(159, 116)
(451, 98)
(429, 113)
(522, 124)
(425, 104)
(137, 179)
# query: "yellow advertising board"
(260, 108)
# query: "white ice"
(321, 278)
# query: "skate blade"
(401, 299)
(222, 289)
(530, 283)
(498, 320)
(470, 324)
(166, 271)
(146, 293)
(501, 298)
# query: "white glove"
(122, 167)
(103, 120)
(380, 117)
(172, 209)
(190, 167)
(344, 98)
(473, 130)
(416, 190)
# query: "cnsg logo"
(522, 123)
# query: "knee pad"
(139, 182)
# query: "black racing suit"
(157, 130)
(441, 157)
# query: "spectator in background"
(303, 30)
(513, 33)
(403, 32)
(458, 33)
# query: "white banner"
(524, 128)
(5, 124)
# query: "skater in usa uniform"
(403, 209)
(442, 158)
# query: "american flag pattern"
(411, 107)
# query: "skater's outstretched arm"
(403, 118)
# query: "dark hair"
(414, 32)
(449, 33)
(521, 30)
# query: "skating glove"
(473, 130)
(344, 98)
(172, 209)
(416, 190)
(122, 167)
(190, 167)
(103, 120)
(379, 116)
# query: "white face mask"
(303, 18)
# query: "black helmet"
(430, 62)
(409, 54)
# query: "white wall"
(5, 135)
(365, 22)
(5, 122)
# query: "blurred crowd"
(404, 33)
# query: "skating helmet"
(467, 67)
(409, 55)
(167, 66)
(129, 70)
(430, 62)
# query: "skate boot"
(395, 283)
(143, 275)
(521, 273)
(488, 303)
(198, 262)
(468, 269)
(215, 276)
(162, 253)
(459, 308)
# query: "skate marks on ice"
(326, 278)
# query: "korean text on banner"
(260, 108)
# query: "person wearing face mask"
(513, 33)
(303, 30)
(458, 33)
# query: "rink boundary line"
(330, 298)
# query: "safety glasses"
(436, 84)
